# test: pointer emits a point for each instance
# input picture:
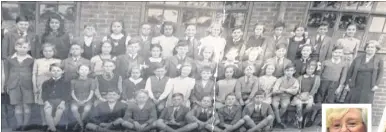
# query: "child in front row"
(107, 81)
(245, 85)
(204, 117)
(230, 114)
(258, 115)
(132, 84)
(82, 91)
(283, 89)
(73, 62)
(203, 87)
(280, 61)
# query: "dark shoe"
(282, 125)
(19, 128)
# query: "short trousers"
(20, 95)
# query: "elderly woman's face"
(351, 122)
(371, 48)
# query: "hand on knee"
(246, 117)
(74, 108)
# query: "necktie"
(174, 113)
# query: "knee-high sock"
(19, 114)
(27, 115)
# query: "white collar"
(56, 79)
(236, 40)
(133, 56)
(135, 81)
(26, 56)
(307, 76)
(151, 59)
(336, 61)
(144, 37)
(76, 58)
(114, 36)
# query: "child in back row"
(167, 40)
(118, 37)
(91, 44)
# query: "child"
(283, 89)
(41, 73)
(350, 44)
(207, 54)
(73, 62)
(296, 43)
(236, 42)
(108, 80)
(172, 118)
(193, 42)
(167, 40)
(204, 117)
(215, 41)
(322, 44)
(155, 59)
(301, 63)
(182, 84)
(279, 60)
(118, 37)
(21, 31)
(175, 62)
(140, 116)
(159, 87)
(258, 115)
(145, 39)
(107, 116)
(97, 61)
(266, 82)
(258, 40)
(132, 84)
(333, 76)
(18, 82)
(245, 85)
(130, 59)
(55, 94)
(253, 54)
(82, 91)
(229, 61)
(278, 38)
(55, 34)
(230, 115)
(91, 45)
(309, 85)
(203, 87)
(226, 86)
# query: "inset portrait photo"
(346, 118)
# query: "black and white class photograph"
(191, 66)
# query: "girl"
(350, 44)
(54, 33)
(90, 43)
(207, 54)
(155, 59)
(107, 81)
(167, 40)
(258, 40)
(266, 82)
(82, 91)
(215, 41)
(73, 62)
(132, 84)
(182, 84)
(253, 54)
(97, 61)
(118, 37)
(226, 86)
(41, 73)
(296, 43)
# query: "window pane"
(196, 4)
(28, 9)
(47, 10)
(316, 18)
(155, 16)
(377, 24)
(236, 4)
(381, 7)
(360, 21)
(365, 5)
(351, 5)
(234, 19)
(201, 18)
(67, 12)
(9, 11)
(171, 15)
(326, 5)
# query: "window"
(230, 14)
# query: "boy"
(258, 115)
(130, 59)
(140, 115)
(55, 94)
(145, 39)
(172, 118)
(245, 85)
(91, 45)
(322, 44)
(236, 42)
(193, 42)
(309, 85)
(203, 87)
(301, 63)
(175, 62)
(230, 115)
(204, 117)
(159, 87)
(278, 37)
(72, 63)
(283, 89)
(107, 115)
(230, 60)
(18, 82)
(279, 60)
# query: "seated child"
(226, 86)
(132, 84)
(203, 87)
(266, 82)
(258, 115)
(245, 85)
(231, 114)
(204, 117)
(107, 115)
(140, 115)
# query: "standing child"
(56, 94)
(278, 38)
(215, 41)
(54, 34)
(82, 91)
(266, 82)
(182, 84)
(155, 59)
(245, 85)
(296, 43)
(284, 88)
(132, 84)
(41, 73)
(107, 81)
(97, 61)
(302, 62)
(322, 44)
(18, 82)
(230, 60)
(203, 87)
(167, 40)
(230, 115)
(175, 62)
(350, 44)
(253, 54)
(226, 86)
(145, 39)
(258, 115)
(118, 37)
(207, 54)
(159, 87)
(193, 42)
(75, 59)
(140, 116)
(204, 117)
(309, 85)
(130, 59)
(91, 45)
(279, 60)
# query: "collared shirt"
(20, 58)
(135, 81)
(257, 106)
(236, 40)
(305, 60)
(132, 56)
(335, 61)
(87, 40)
(144, 38)
(152, 59)
(276, 37)
(307, 76)
(320, 37)
(204, 83)
(112, 105)
(76, 58)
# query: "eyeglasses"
(338, 127)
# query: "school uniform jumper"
(130, 86)
(41, 71)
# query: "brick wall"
(380, 98)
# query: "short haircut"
(142, 91)
(338, 113)
(279, 24)
(289, 66)
(376, 44)
(22, 41)
(356, 27)
(237, 28)
(83, 65)
(215, 24)
(22, 18)
(230, 94)
(134, 40)
(76, 44)
(156, 46)
(159, 66)
(259, 24)
(45, 45)
(206, 69)
(56, 65)
(281, 46)
(182, 43)
(337, 47)
(207, 96)
(167, 23)
(113, 90)
(187, 25)
(178, 94)
(307, 45)
(108, 61)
